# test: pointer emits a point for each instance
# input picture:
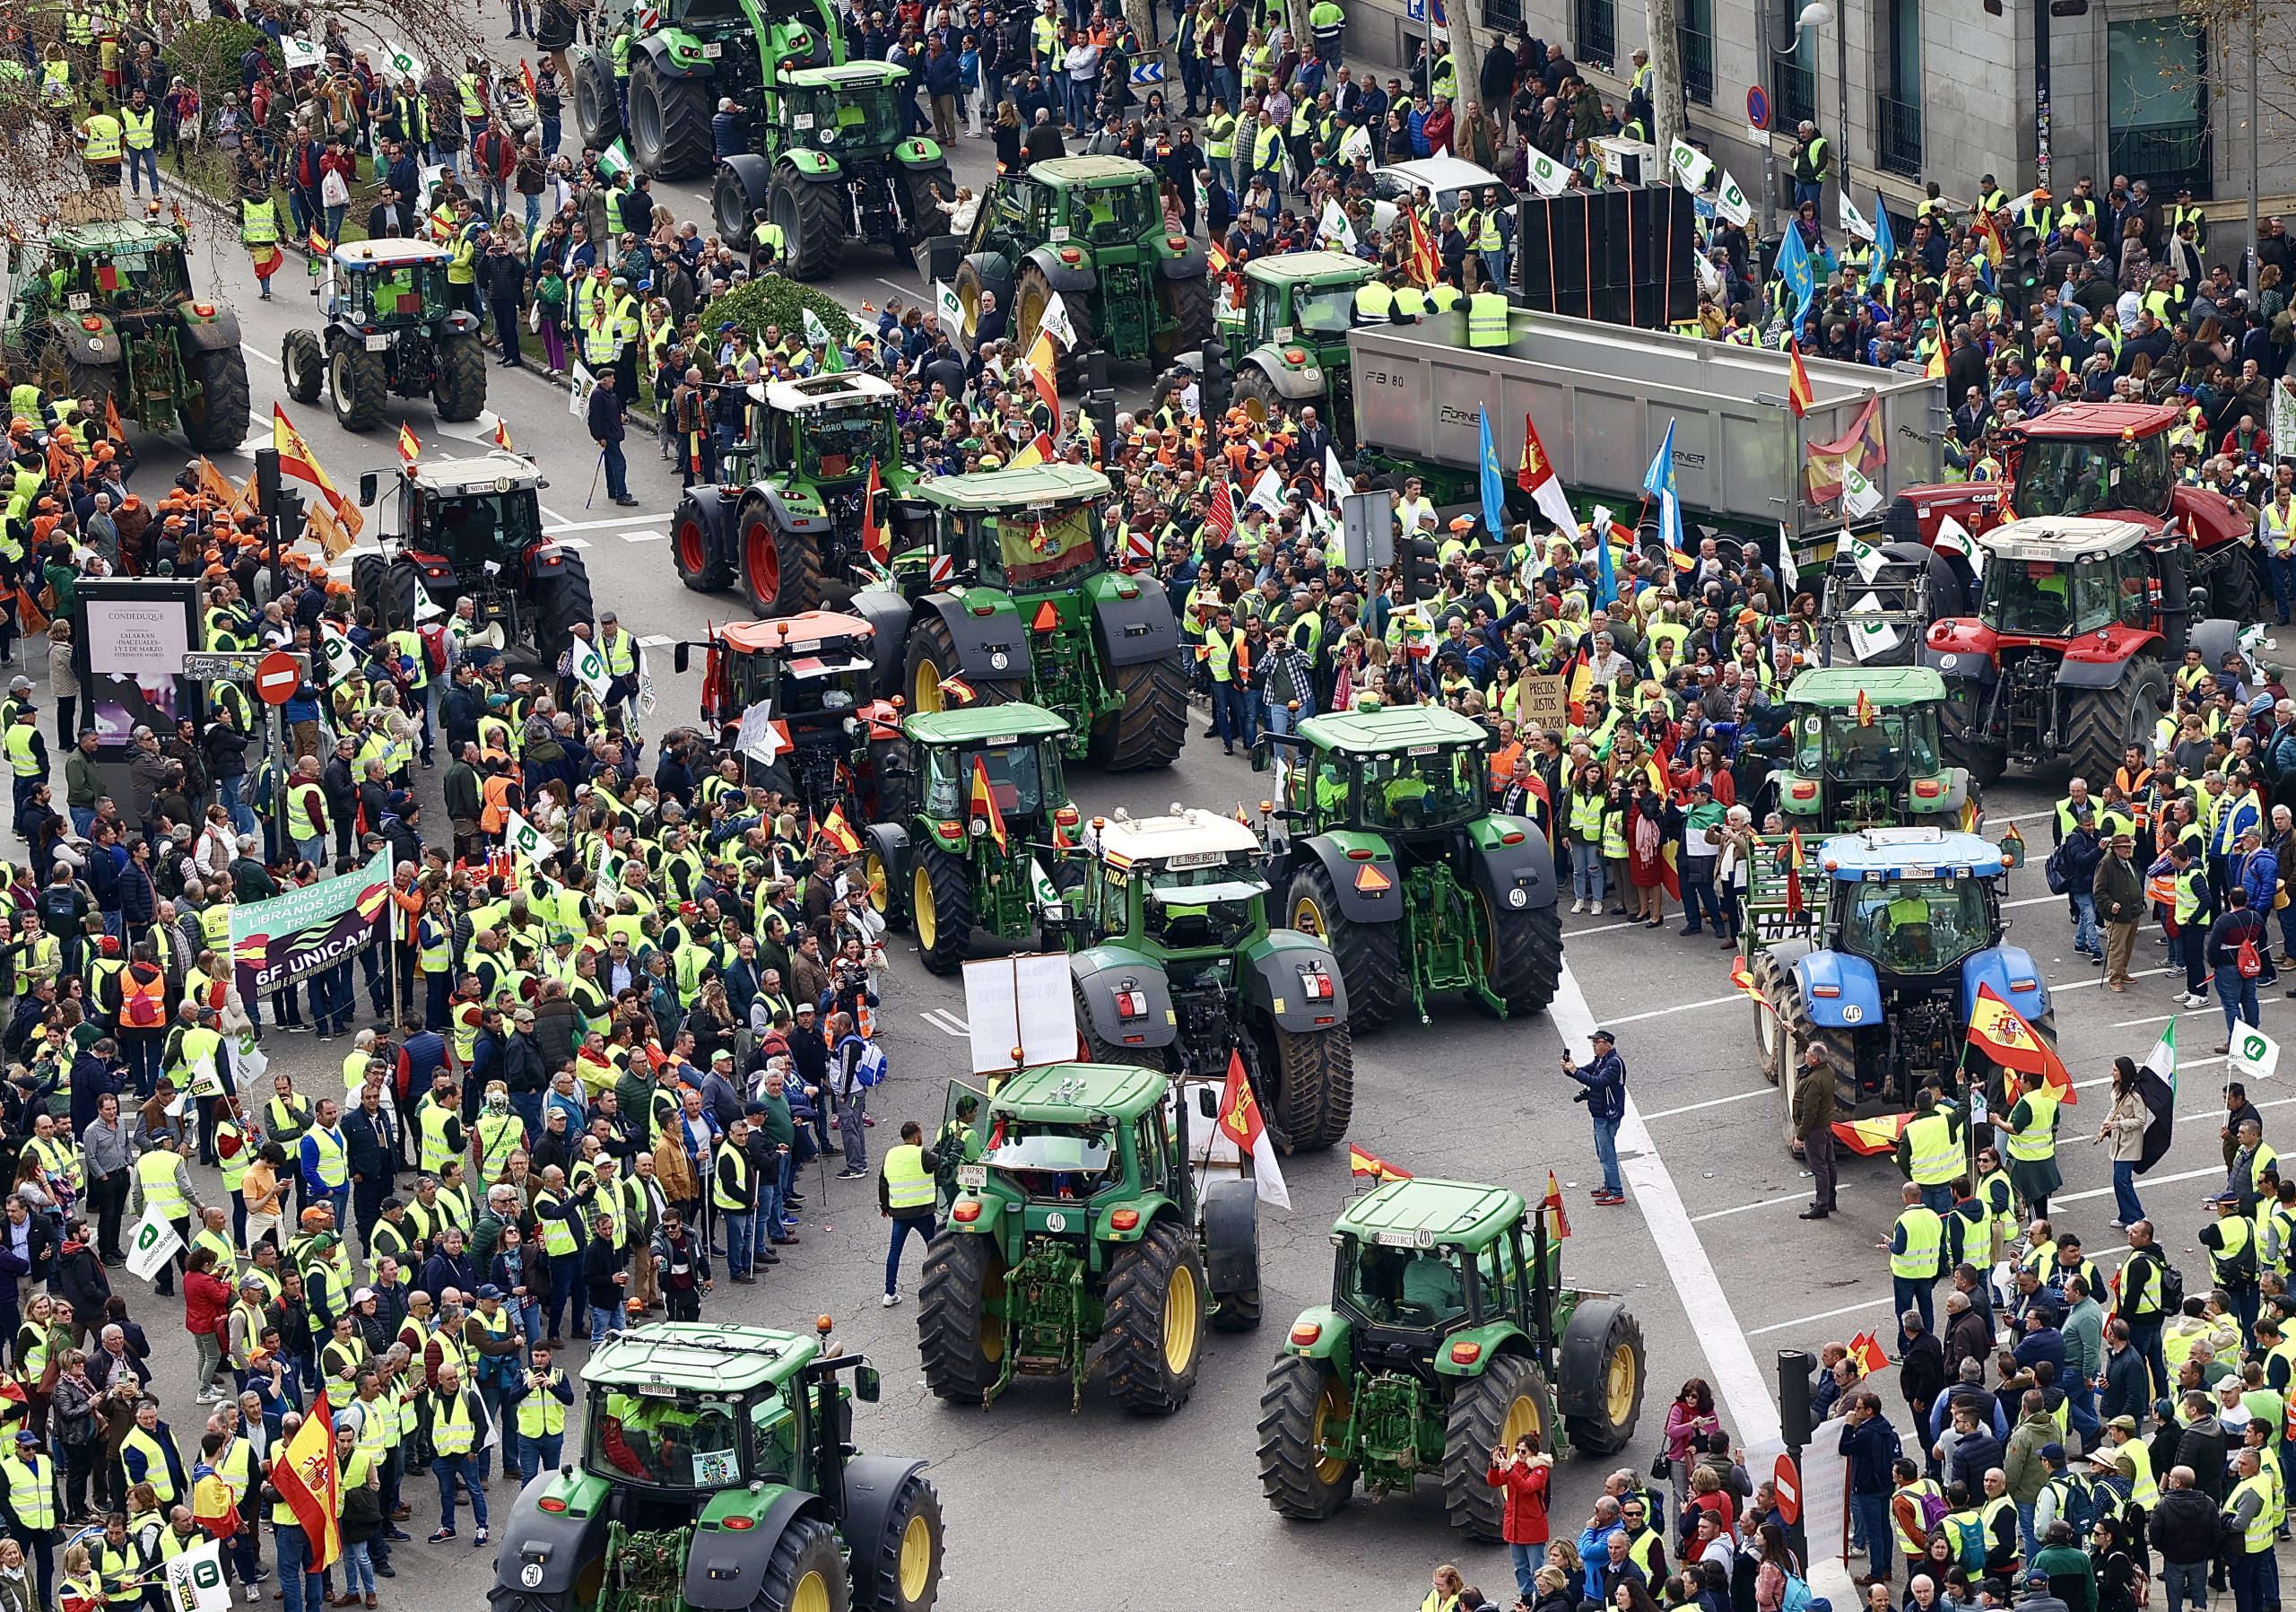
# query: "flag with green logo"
(335, 650)
(522, 839)
(2255, 1054)
(1547, 176)
(589, 667)
(1730, 203)
(614, 160)
(1690, 165)
(404, 62)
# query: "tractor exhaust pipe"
(2175, 602)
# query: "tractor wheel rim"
(916, 1559)
(762, 558)
(1180, 1321)
(645, 119)
(1619, 1385)
(692, 556)
(872, 868)
(1307, 917)
(338, 381)
(928, 919)
(1255, 409)
(1029, 316)
(925, 688)
(1522, 1417)
(968, 299)
(811, 1594)
(1331, 1405)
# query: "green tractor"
(1449, 1332)
(1009, 595)
(798, 522)
(685, 58)
(1090, 230)
(1177, 969)
(1289, 340)
(105, 309)
(390, 331)
(1865, 753)
(1386, 846)
(717, 1469)
(959, 865)
(1078, 1240)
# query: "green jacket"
(2023, 1468)
(82, 788)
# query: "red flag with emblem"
(2003, 1034)
(873, 536)
(838, 832)
(984, 803)
(1362, 1161)
(307, 1484)
(1240, 1123)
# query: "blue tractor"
(1876, 945)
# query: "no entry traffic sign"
(277, 676)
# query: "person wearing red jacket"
(1523, 1473)
(206, 1302)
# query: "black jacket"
(368, 1152)
(2183, 1528)
(605, 415)
(523, 1067)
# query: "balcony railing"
(1697, 64)
(2165, 156)
(1897, 137)
(1795, 89)
(1597, 34)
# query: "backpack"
(870, 1070)
(2076, 1503)
(2246, 960)
(2053, 870)
(1933, 1512)
(1797, 1595)
(1967, 1534)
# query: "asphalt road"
(1048, 1510)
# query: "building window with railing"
(2157, 103)
(1695, 33)
(1793, 76)
(1897, 110)
(1597, 33)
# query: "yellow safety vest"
(909, 1185)
(334, 1157)
(1925, 1240)
(24, 756)
(540, 1414)
(2037, 1140)
(102, 141)
(2265, 1527)
(1936, 1160)
(155, 1463)
(1487, 319)
(157, 1171)
(718, 1194)
(138, 126)
(453, 1431)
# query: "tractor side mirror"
(1207, 1103)
(681, 657)
(367, 490)
(864, 1384)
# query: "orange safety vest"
(142, 1003)
(496, 811)
(2135, 788)
(409, 903)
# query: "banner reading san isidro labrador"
(282, 942)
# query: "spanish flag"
(501, 435)
(305, 1477)
(409, 450)
(840, 833)
(1871, 1138)
(1559, 1223)
(1363, 1162)
(1039, 451)
(317, 242)
(1935, 368)
(1044, 372)
(957, 690)
(1425, 265)
(872, 535)
(1865, 709)
(1867, 1353)
(1798, 395)
(984, 804)
(526, 77)
(2000, 1031)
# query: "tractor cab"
(1420, 1259)
(1390, 776)
(827, 428)
(1030, 528)
(839, 111)
(1305, 297)
(480, 517)
(2058, 577)
(1190, 882)
(1016, 749)
(123, 268)
(1913, 901)
(2083, 474)
(1060, 1132)
(385, 285)
(1867, 751)
(813, 669)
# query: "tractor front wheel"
(357, 383)
(1769, 1033)
(1523, 948)
(931, 659)
(460, 391)
(960, 1336)
(941, 907)
(909, 1550)
(2100, 724)
(1616, 1367)
(1152, 726)
(1188, 304)
(302, 362)
(1315, 1086)
(1798, 1031)
(369, 575)
(806, 1572)
(811, 217)
(563, 603)
(1508, 1400)
(693, 550)
(216, 418)
(1255, 393)
(1370, 955)
(1154, 1334)
(1304, 1469)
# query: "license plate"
(712, 52)
(972, 1178)
(77, 302)
(378, 343)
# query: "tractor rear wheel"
(941, 906)
(1255, 393)
(356, 384)
(781, 573)
(931, 659)
(1152, 726)
(367, 586)
(98, 381)
(1957, 737)
(1033, 293)
(460, 391)
(597, 109)
(968, 286)
(2099, 724)
(908, 1576)
(216, 418)
(877, 888)
(693, 550)
(1187, 303)
(1523, 947)
(806, 1572)
(669, 122)
(1154, 1334)
(302, 362)
(1098, 1051)
(959, 1338)
(1302, 1476)
(920, 217)
(1508, 1400)
(1315, 1086)
(1619, 1386)
(813, 225)
(1801, 1031)
(399, 596)
(503, 1598)
(562, 602)
(1370, 955)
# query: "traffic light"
(1416, 567)
(2025, 271)
(1216, 389)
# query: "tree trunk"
(1466, 64)
(1665, 79)
(1142, 15)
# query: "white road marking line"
(569, 541)
(2157, 1018)
(1823, 1315)
(551, 516)
(259, 352)
(2147, 1180)
(1571, 935)
(1767, 1203)
(1691, 1108)
(1660, 1013)
(644, 536)
(2143, 973)
(945, 1022)
(656, 641)
(2032, 901)
(1731, 1365)
(620, 523)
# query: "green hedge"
(774, 299)
(206, 53)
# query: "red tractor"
(805, 684)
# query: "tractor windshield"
(2086, 476)
(1425, 788)
(1039, 543)
(836, 444)
(1049, 1161)
(1113, 215)
(849, 118)
(673, 1441)
(397, 296)
(2053, 599)
(473, 527)
(1195, 908)
(1915, 926)
(1023, 778)
(131, 279)
(1889, 744)
(1324, 310)
(1422, 1289)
